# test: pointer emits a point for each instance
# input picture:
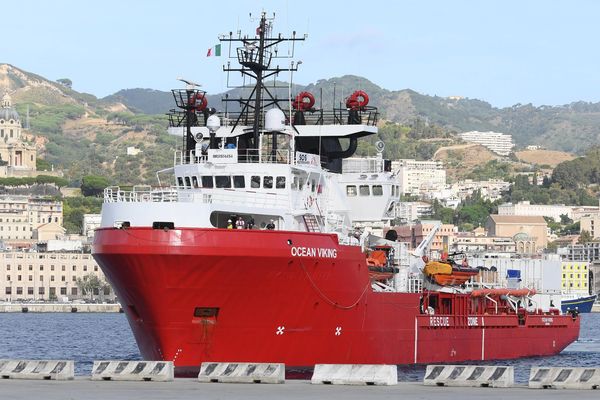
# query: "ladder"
(312, 225)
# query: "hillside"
(460, 160)
(544, 157)
(83, 134)
(75, 133)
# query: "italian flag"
(214, 51)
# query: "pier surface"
(84, 388)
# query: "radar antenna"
(255, 56)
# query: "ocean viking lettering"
(314, 252)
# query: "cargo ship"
(251, 251)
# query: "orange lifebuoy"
(199, 101)
(304, 101)
(357, 100)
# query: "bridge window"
(195, 181)
(222, 181)
(377, 190)
(268, 182)
(239, 182)
(179, 181)
(363, 190)
(280, 182)
(350, 190)
(188, 184)
(255, 182)
(207, 181)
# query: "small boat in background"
(582, 304)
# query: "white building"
(90, 223)
(525, 208)
(490, 190)
(47, 276)
(418, 176)
(499, 143)
(410, 211)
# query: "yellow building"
(575, 277)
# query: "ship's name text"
(314, 252)
(439, 321)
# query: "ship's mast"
(255, 57)
(261, 57)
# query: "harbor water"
(100, 336)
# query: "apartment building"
(47, 276)
(20, 216)
(499, 143)
(417, 176)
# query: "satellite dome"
(275, 120)
(213, 123)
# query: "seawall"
(59, 308)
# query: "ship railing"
(114, 194)
(279, 156)
(336, 116)
(237, 197)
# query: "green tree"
(585, 237)
(66, 82)
(93, 185)
(89, 284)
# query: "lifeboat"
(448, 273)
(377, 262)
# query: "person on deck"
(250, 223)
(229, 224)
(240, 223)
(271, 225)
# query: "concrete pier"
(84, 388)
(58, 308)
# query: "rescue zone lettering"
(439, 321)
(314, 252)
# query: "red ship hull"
(195, 295)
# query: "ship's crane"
(420, 250)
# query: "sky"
(504, 52)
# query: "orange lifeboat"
(377, 264)
(445, 273)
